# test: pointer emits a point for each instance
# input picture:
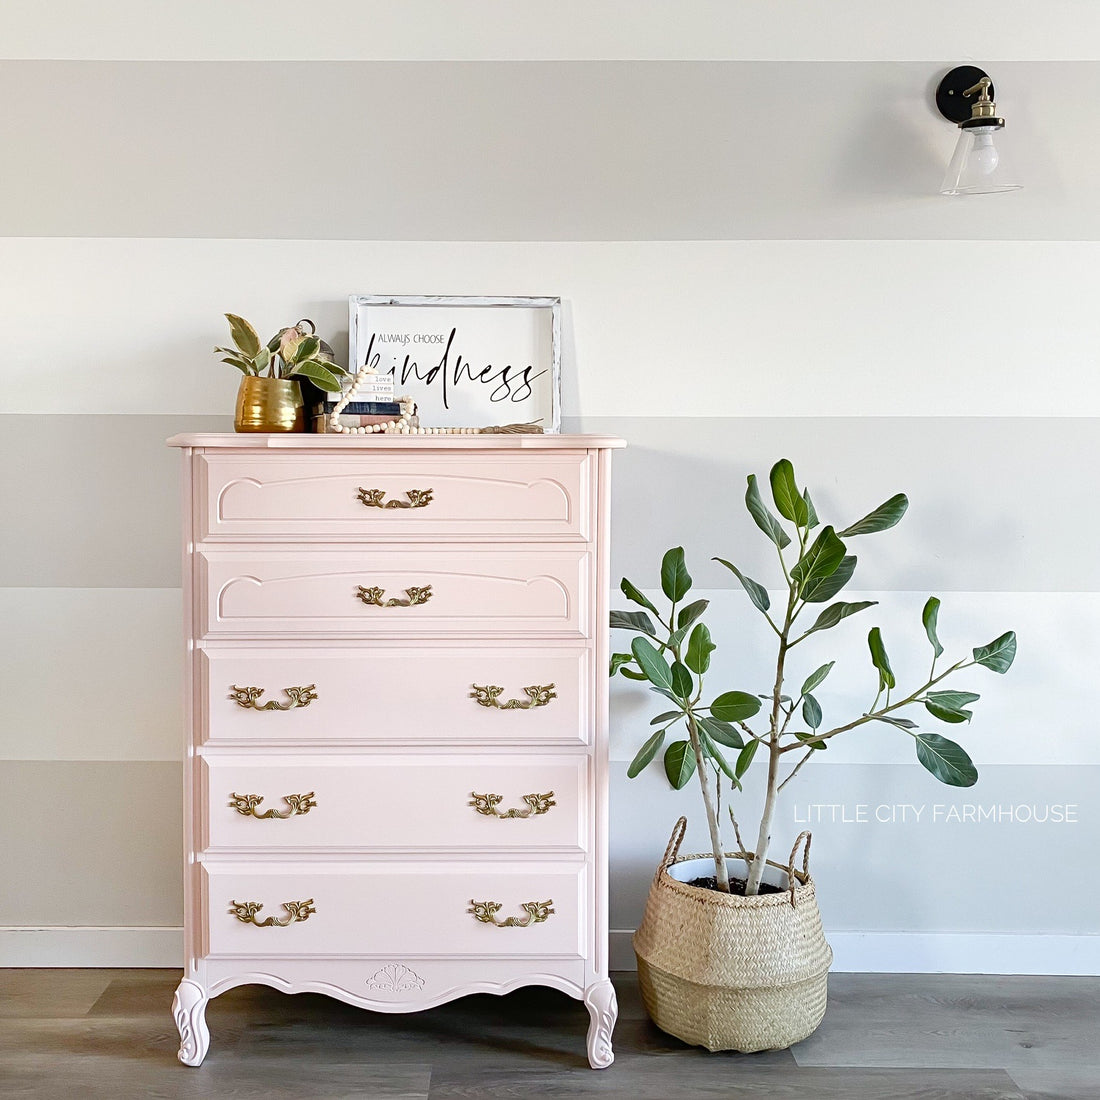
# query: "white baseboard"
(854, 952)
(937, 953)
(91, 947)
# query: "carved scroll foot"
(189, 1011)
(603, 1007)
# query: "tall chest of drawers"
(396, 760)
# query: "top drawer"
(359, 496)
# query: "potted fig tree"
(731, 953)
(270, 398)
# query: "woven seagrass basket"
(727, 972)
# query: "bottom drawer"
(395, 908)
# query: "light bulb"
(984, 156)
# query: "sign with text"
(465, 361)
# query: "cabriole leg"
(189, 1010)
(602, 1006)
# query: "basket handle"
(806, 836)
(673, 849)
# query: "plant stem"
(797, 769)
(873, 714)
(763, 840)
(720, 869)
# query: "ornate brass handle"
(373, 498)
(537, 696)
(536, 804)
(374, 596)
(247, 804)
(486, 912)
(248, 697)
(245, 911)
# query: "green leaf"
(700, 647)
(633, 674)
(645, 754)
(999, 654)
(679, 764)
(811, 712)
(929, 616)
(764, 519)
(306, 349)
(261, 360)
(652, 663)
(618, 660)
(882, 518)
(683, 686)
(837, 612)
(690, 613)
(675, 579)
(244, 335)
(901, 723)
(635, 596)
(879, 658)
(816, 677)
(947, 761)
(735, 706)
(318, 374)
(950, 706)
(757, 592)
(811, 513)
(786, 495)
(668, 716)
(821, 560)
(823, 590)
(244, 368)
(712, 750)
(813, 742)
(953, 700)
(945, 715)
(722, 732)
(744, 758)
(633, 620)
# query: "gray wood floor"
(92, 1034)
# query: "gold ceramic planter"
(269, 405)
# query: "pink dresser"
(396, 761)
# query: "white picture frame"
(466, 360)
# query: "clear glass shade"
(978, 166)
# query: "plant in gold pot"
(731, 953)
(269, 398)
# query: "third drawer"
(472, 694)
(503, 802)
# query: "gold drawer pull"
(486, 912)
(248, 697)
(247, 804)
(373, 596)
(487, 804)
(245, 911)
(537, 696)
(373, 498)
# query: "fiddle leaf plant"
(716, 742)
(293, 352)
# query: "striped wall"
(736, 204)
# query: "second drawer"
(441, 802)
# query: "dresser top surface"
(293, 441)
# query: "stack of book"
(356, 414)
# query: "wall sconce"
(965, 96)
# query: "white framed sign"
(466, 361)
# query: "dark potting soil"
(737, 885)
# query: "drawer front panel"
(399, 908)
(402, 802)
(516, 496)
(396, 694)
(460, 590)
